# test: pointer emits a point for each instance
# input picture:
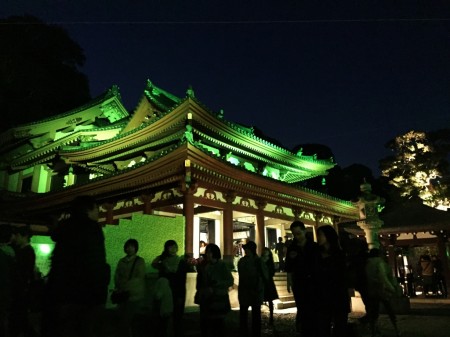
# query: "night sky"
(348, 76)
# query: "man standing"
(79, 276)
(238, 253)
(252, 276)
(302, 258)
(280, 251)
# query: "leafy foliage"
(418, 167)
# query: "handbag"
(122, 296)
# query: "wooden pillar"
(260, 227)
(442, 238)
(109, 216)
(188, 187)
(392, 239)
(147, 200)
(188, 212)
(228, 227)
(318, 216)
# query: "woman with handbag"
(129, 289)
(213, 281)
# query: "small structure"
(407, 230)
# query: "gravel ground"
(425, 319)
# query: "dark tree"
(39, 71)
(345, 183)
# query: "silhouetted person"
(382, 287)
(213, 281)
(333, 299)
(130, 278)
(439, 277)
(25, 264)
(270, 290)
(280, 250)
(174, 268)
(238, 252)
(427, 271)
(78, 280)
(202, 248)
(302, 260)
(252, 276)
(357, 254)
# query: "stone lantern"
(369, 206)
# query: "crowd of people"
(72, 303)
(320, 275)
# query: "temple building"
(170, 157)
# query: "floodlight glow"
(45, 249)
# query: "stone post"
(369, 205)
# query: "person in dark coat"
(302, 260)
(252, 276)
(270, 290)
(213, 281)
(26, 267)
(357, 252)
(280, 250)
(333, 298)
(174, 268)
(78, 280)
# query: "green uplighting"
(44, 249)
(233, 160)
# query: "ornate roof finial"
(190, 92)
(115, 90)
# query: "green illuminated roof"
(159, 122)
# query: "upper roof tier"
(103, 134)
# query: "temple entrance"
(271, 237)
(208, 230)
